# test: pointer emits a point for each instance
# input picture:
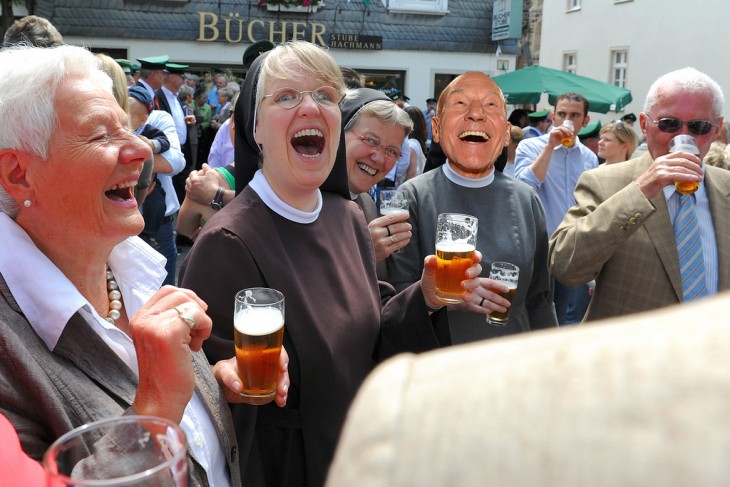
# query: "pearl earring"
(27, 203)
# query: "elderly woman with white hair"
(85, 333)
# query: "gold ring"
(187, 318)
(392, 240)
(388, 229)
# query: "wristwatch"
(217, 202)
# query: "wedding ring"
(392, 240)
(388, 228)
(187, 318)
(481, 302)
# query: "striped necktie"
(689, 249)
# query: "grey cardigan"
(45, 394)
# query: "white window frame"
(572, 5)
(423, 7)
(570, 62)
(621, 66)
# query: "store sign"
(234, 29)
(356, 41)
(506, 19)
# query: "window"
(433, 7)
(619, 64)
(573, 5)
(570, 62)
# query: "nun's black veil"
(247, 152)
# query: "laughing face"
(368, 165)
(299, 144)
(85, 188)
(471, 124)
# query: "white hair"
(29, 78)
(689, 80)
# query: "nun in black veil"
(293, 227)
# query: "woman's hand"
(471, 283)
(226, 373)
(389, 233)
(164, 331)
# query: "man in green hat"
(151, 75)
(590, 134)
(539, 124)
(255, 50)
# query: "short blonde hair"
(624, 133)
(309, 57)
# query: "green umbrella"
(528, 84)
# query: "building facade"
(630, 43)
(414, 46)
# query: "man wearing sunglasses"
(632, 231)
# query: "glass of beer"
(189, 115)
(258, 334)
(129, 451)
(507, 274)
(568, 141)
(685, 143)
(456, 241)
(394, 202)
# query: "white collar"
(46, 296)
(262, 188)
(464, 181)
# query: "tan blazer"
(626, 242)
(635, 401)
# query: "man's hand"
(669, 169)
(202, 185)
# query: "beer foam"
(392, 211)
(258, 321)
(451, 246)
(509, 284)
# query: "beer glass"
(394, 202)
(258, 322)
(189, 115)
(685, 143)
(456, 241)
(568, 141)
(507, 274)
(129, 451)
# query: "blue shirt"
(566, 166)
(707, 230)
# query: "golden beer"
(500, 319)
(258, 334)
(687, 187)
(452, 261)
(569, 140)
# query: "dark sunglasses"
(672, 125)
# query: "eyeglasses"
(325, 96)
(389, 152)
(672, 125)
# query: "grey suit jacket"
(635, 401)
(45, 394)
(626, 242)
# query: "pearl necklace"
(115, 297)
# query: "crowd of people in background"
(588, 210)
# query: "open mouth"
(121, 192)
(369, 170)
(308, 143)
(474, 137)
